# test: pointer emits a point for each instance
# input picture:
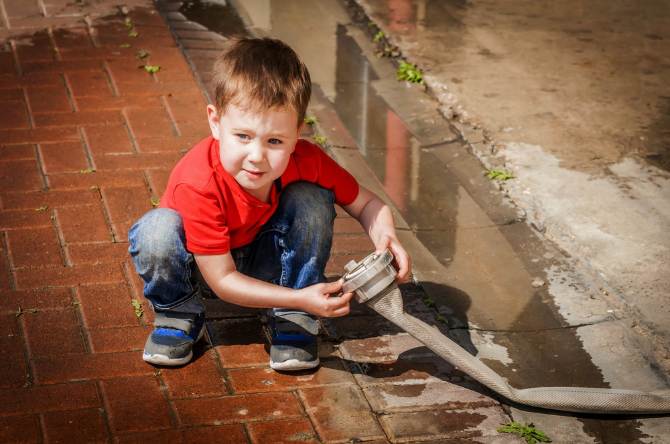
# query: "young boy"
(250, 210)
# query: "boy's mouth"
(253, 174)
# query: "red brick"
(81, 118)
(57, 298)
(31, 68)
(75, 426)
(13, 115)
(52, 99)
(136, 405)
(348, 225)
(99, 179)
(241, 342)
(72, 38)
(340, 413)
(202, 377)
(25, 219)
(352, 243)
(6, 282)
(157, 88)
(99, 53)
(156, 144)
(7, 64)
(32, 23)
(236, 409)
(126, 204)
(291, 431)
(137, 161)
(51, 199)
(105, 306)
(53, 333)
(174, 75)
(187, 107)
(97, 253)
(39, 80)
(11, 95)
(80, 367)
(114, 340)
(10, 325)
(83, 225)
(20, 175)
(147, 17)
(36, 47)
(118, 103)
(128, 71)
(40, 135)
(60, 397)
(22, 8)
(251, 380)
(336, 262)
(64, 157)
(34, 247)
(136, 287)
(108, 139)
(229, 434)
(158, 180)
(198, 130)
(149, 124)
(17, 152)
(89, 84)
(12, 363)
(23, 429)
(68, 276)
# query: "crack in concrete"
(567, 327)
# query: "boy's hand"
(401, 261)
(317, 299)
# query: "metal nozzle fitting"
(370, 276)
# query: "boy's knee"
(157, 234)
(314, 205)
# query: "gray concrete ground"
(544, 277)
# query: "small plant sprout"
(89, 170)
(133, 34)
(527, 432)
(126, 45)
(380, 35)
(310, 120)
(320, 140)
(151, 69)
(442, 319)
(155, 202)
(409, 72)
(137, 305)
(129, 23)
(94, 187)
(42, 208)
(141, 55)
(430, 302)
(500, 175)
(81, 4)
(76, 304)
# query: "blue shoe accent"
(294, 342)
(171, 343)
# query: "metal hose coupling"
(369, 277)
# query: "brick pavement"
(87, 142)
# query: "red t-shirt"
(219, 215)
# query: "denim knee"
(312, 207)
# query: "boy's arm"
(230, 285)
(376, 218)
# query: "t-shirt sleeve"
(315, 166)
(204, 219)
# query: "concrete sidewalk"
(88, 138)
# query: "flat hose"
(388, 303)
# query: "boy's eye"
(243, 136)
(274, 141)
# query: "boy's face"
(255, 148)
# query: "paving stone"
(20, 175)
(23, 429)
(109, 139)
(56, 298)
(104, 117)
(157, 144)
(137, 161)
(117, 103)
(126, 204)
(136, 404)
(32, 23)
(83, 225)
(99, 179)
(101, 366)
(51, 199)
(68, 276)
(113, 340)
(143, 124)
(227, 434)
(72, 38)
(53, 99)
(12, 363)
(43, 399)
(240, 342)
(53, 333)
(219, 309)
(75, 426)
(157, 88)
(193, 129)
(34, 247)
(96, 253)
(39, 135)
(36, 47)
(22, 8)
(128, 71)
(17, 152)
(236, 409)
(251, 380)
(106, 306)
(65, 66)
(352, 243)
(158, 180)
(340, 413)
(290, 431)
(336, 262)
(25, 219)
(348, 225)
(40, 80)
(10, 326)
(10, 95)
(202, 377)
(89, 84)
(63, 157)
(187, 107)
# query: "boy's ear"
(300, 128)
(213, 119)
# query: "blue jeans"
(290, 250)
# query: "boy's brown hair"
(259, 75)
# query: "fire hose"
(373, 282)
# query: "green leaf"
(427, 300)
(527, 432)
(410, 73)
(151, 69)
(379, 36)
(126, 45)
(89, 170)
(442, 319)
(76, 304)
(138, 308)
(310, 120)
(499, 174)
(41, 208)
(141, 55)
(19, 312)
(133, 34)
(155, 202)
(94, 187)
(129, 23)
(320, 140)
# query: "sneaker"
(171, 343)
(294, 344)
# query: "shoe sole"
(157, 359)
(294, 365)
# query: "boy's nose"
(255, 152)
